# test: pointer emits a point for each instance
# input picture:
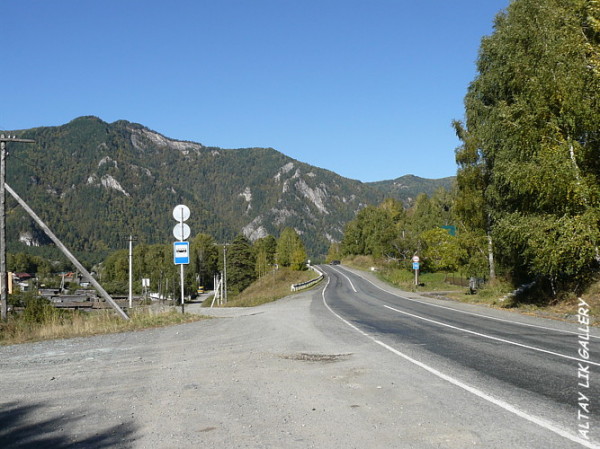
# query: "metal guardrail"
(307, 284)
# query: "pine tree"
(204, 260)
(240, 264)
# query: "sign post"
(145, 286)
(181, 253)
(181, 249)
(415, 261)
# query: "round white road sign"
(181, 212)
(181, 231)
(415, 259)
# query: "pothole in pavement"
(323, 358)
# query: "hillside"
(408, 187)
(95, 183)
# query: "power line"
(23, 161)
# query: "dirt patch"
(322, 358)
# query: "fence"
(457, 280)
(473, 283)
(307, 284)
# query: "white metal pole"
(3, 270)
(182, 291)
(221, 296)
(182, 276)
(130, 271)
(225, 273)
(3, 273)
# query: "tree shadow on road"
(21, 429)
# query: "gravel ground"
(282, 375)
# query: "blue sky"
(365, 88)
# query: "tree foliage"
(265, 250)
(529, 165)
(204, 260)
(26, 263)
(441, 251)
(388, 231)
(371, 233)
(240, 264)
(245, 263)
(290, 250)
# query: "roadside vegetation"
(253, 277)
(499, 294)
(525, 212)
(245, 262)
(270, 287)
(401, 277)
(39, 320)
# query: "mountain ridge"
(94, 182)
(406, 188)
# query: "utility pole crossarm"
(15, 139)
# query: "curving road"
(526, 366)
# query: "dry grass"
(563, 308)
(592, 297)
(81, 324)
(360, 262)
(569, 307)
(271, 287)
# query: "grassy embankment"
(270, 287)
(495, 294)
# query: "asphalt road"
(521, 364)
(327, 368)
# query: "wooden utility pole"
(225, 272)
(130, 272)
(131, 239)
(86, 274)
(3, 273)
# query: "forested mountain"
(96, 183)
(406, 188)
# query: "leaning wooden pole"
(67, 253)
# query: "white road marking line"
(439, 323)
(471, 313)
(500, 403)
(351, 284)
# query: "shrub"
(38, 311)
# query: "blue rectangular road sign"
(181, 253)
(415, 265)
